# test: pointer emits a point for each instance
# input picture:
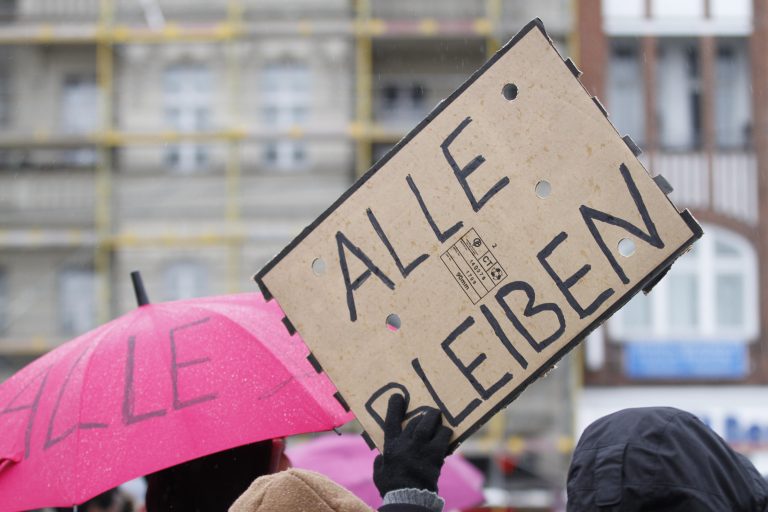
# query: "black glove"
(412, 457)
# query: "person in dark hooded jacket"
(660, 459)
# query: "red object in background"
(506, 463)
(164, 384)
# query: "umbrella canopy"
(163, 384)
(348, 461)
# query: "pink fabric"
(348, 461)
(163, 384)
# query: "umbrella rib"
(88, 362)
(300, 378)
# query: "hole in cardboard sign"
(393, 322)
(509, 91)
(543, 189)
(626, 247)
(318, 266)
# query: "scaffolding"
(106, 34)
(361, 27)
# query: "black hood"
(660, 459)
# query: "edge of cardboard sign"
(645, 285)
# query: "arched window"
(710, 294)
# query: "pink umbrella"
(348, 461)
(161, 385)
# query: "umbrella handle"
(138, 288)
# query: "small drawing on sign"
(473, 266)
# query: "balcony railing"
(728, 187)
(65, 199)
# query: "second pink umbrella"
(348, 461)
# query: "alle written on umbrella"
(27, 401)
(161, 385)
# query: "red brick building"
(688, 80)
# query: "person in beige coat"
(406, 473)
(297, 490)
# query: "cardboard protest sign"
(496, 235)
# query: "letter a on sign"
(516, 158)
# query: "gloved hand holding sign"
(413, 456)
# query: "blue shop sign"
(686, 360)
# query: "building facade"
(191, 140)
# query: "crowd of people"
(647, 459)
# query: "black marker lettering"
(591, 215)
(32, 408)
(462, 174)
(452, 420)
(503, 337)
(404, 270)
(176, 365)
(129, 394)
(442, 236)
(565, 286)
(50, 440)
(530, 310)
(467, 370)
(343, 242)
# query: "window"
(187, 91)
(389, 94)
(286, 102)
(732, 94)
(402, 102)
(418, 96)
(79, 104)
(79, 114)
(8, 10)
(6, 92)
(710, 294)
(4, 302)
(679, 9)
(185, 280)
(77, 303)
(731, 9)
(623, 9)
(626, 101)
(678, 94)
